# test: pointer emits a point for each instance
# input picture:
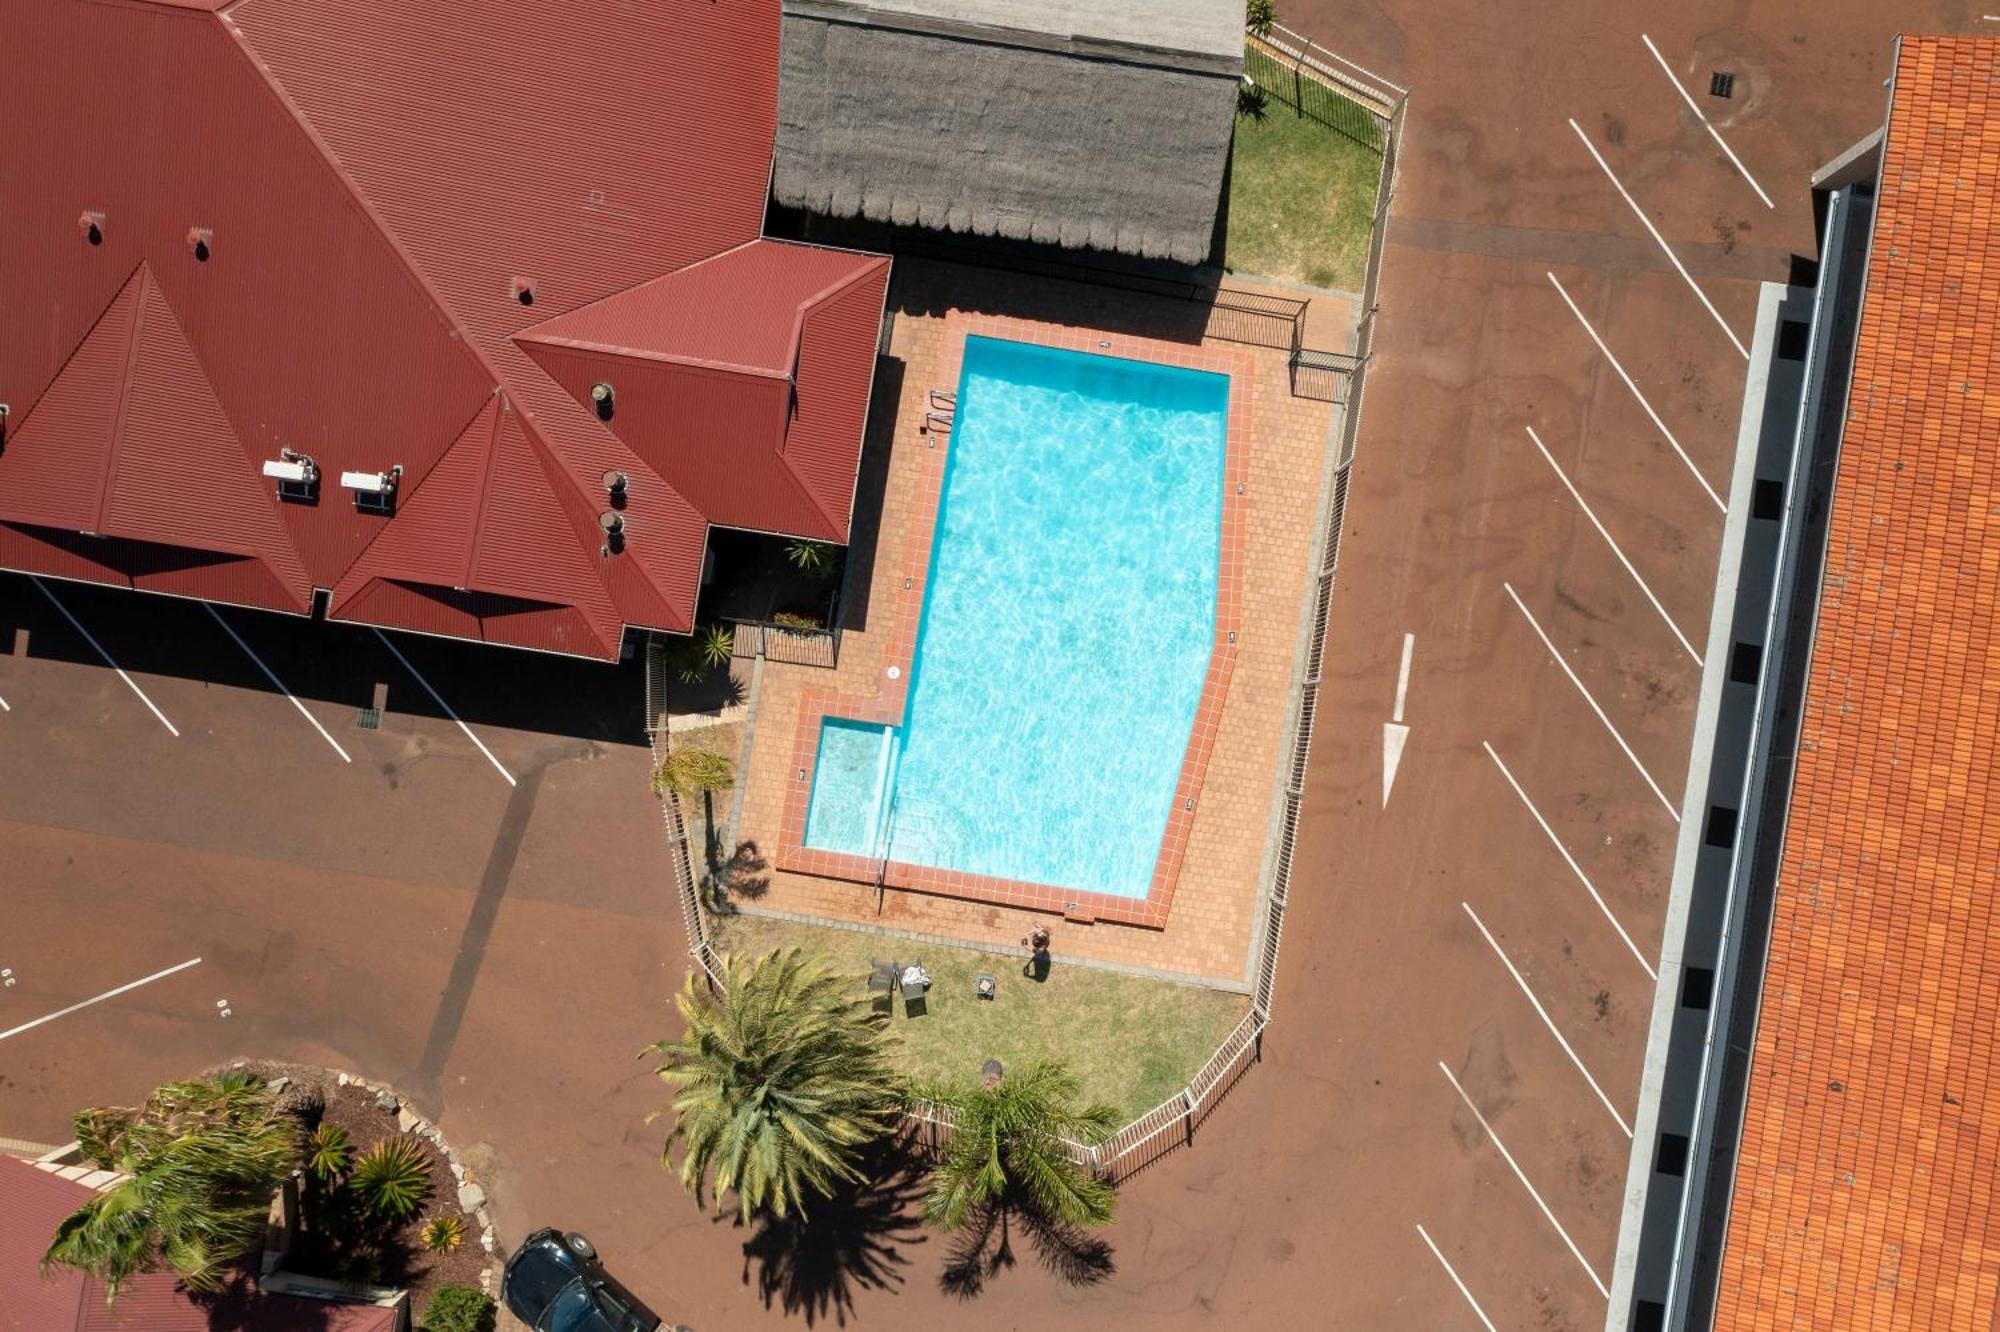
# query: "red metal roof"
(372, 187)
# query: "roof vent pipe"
(91, 224)
(198, 239)
(614, 532)
(601, 394)
(4, 409)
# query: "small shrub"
(796, 620)
(691, 770)
(393, 1179)
(813, 557)
(458, 1309)
(1259, 15)
(444, 1234)
(1252, 102)
(718, 645)
(328, 1150)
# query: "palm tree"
(1006, 1150)
(692, 770)
(781, 1082)
(202, 1160)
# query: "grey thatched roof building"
(1104, 126)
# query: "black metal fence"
(1316, 83)
(795, 645)
(1323, 376)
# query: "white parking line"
(1658, 424)
(1438, 1254)
(99, 649)
(276, 683)
(1543, 1013)
(1508, 1157)
(1602, 531)
(439, 700)
(1728, 152)
(1653, 231)
(1535, 624)
(108, 994)
(1570, 860)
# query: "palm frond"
(779, 1084)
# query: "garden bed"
(334, 1243)
(1134, 1041)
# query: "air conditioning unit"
(374, 492)
(296, 474)
(368, 483)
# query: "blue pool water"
(1066, 633)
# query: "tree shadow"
(985, 1248)
(747, 872)
(813, 1266)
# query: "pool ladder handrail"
(941, 413)
(882, 861)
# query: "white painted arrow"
(1394, 733)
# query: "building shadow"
(871, 483)
(326, 662)
(812, 1267)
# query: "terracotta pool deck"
(1197, 922)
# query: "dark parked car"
(554, 1283)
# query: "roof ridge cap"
(143, 276)
(501, 407)
(248, 50)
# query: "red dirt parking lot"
(501, 945)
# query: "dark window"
(1794, 335)
(1697, 988)
(1649, 1316)
(1767, 500)
(1721, 85)
(1721, 826)
(1673, 1157)
(1745, 660)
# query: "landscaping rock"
(406, 1119)
(278, 1084)
(387, 1103)
(458, 1172)
(471, 1197)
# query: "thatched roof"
(917, 112)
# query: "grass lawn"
(1301, 200)
(1133, 1041)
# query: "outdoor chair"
(882, 985)
(914, 991)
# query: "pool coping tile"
(886, 706)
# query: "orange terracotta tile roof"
(1865, 1185)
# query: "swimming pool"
(1068, 624)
